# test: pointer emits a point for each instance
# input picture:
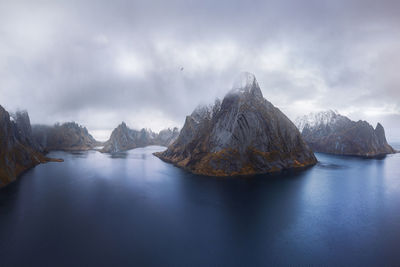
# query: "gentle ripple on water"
(133, 209)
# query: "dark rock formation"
(330, 132)
(67, 136)
(245, 134)
(122, 138)
(18, 151)
(24, 129)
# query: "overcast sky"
(103, 62)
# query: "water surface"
(132, 209)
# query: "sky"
(150, 63)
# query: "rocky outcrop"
(123, 138)
(18, 150)
(68, 136)
(244, 134)
(24, 129)
(330, 132)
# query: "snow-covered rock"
(318, 118)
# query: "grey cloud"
(100, 62)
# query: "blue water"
(132, 209)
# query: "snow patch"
(316, 119)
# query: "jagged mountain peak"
(122, 125)
(379, 127)
(19, 114)
(245, 135)
(246, 83)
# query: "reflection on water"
(330, 165)
(119, 155)
(79, 154)
(138, 153)
(133, 209)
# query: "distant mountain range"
(330, 132)
(123, 138)
(242, 134)
(67, 136)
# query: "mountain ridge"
(68, 136)
(123, 138)
(337, 134)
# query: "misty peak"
(246, 83)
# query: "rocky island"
(123, 138)
(68, 136)
(242, 135)
(330, 132)
(18, 150)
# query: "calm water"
(135, 210)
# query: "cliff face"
(167, 136)
(18, 151)
(245, 134)
(330, 132)
(68, 136)
(122, 138)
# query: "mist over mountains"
(148, 64)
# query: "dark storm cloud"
(100, 62)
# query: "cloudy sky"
(103, 62)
